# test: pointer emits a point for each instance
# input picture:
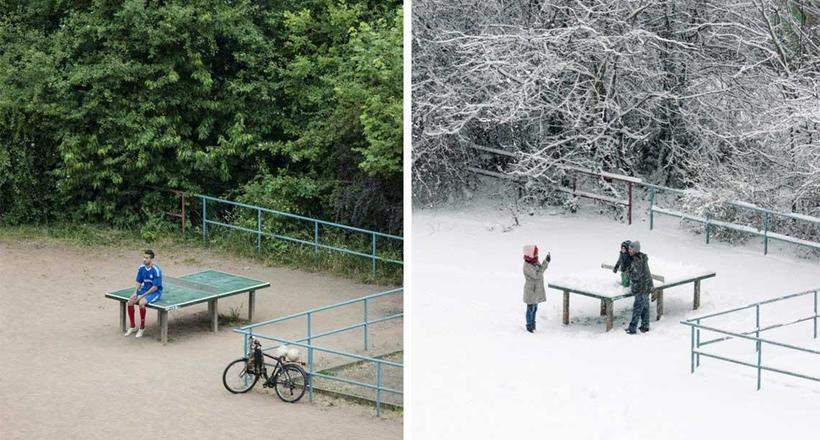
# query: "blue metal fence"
(307, 342)
(763, 231)
(752, 335)
(259, 231)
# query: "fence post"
(258, 230)
(310, 356)
(365, 324)
(815, 314)
(204, 219)
(697, 344)
(759, 371)
(708, 229)
(629, 212)
(182, 196)
(757, 326)
(247, 352)
(378, 388)
(316, 238)
(651, 204)
(766, 233)
(374, 254)
(692, 350)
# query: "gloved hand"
(548, 257)
(614, 270)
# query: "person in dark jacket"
(624, 260)
(534, 291)
(641, 287)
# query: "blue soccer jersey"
(150, 277)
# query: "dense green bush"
(290, 105)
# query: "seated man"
(148, 290)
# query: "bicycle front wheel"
(237, 379)
(290, 382)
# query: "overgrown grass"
(233, 318)
(274, 252)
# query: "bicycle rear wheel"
(290, 382)
(237, 379)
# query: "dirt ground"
(66, 369)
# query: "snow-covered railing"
(752, 335)
(573, 190)
(630, 182)
(708, 222)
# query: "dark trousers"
(640, 311)
(531, 309)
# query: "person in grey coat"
(641, 287)
(534, 291)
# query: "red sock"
(142, 318)
(131, 314)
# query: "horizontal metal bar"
(762, 367)
(496, 174)
(214, 222)
(315, 347)
(299, 217)
(604, 174)
(353, 382)
(493, 150)
(736, 309)
(306, 242)
(663, 188)
(736, 227)
(759, 330)
(350, 327)
(323, 308)
(331, 332)
(593, 196)
(738, 335)
(386, 318)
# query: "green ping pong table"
(196, 288)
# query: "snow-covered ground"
(477, 373)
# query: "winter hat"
(530, 251)
(625, 244)
(635, 245)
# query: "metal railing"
(572, 190)
(752, 335)
(373, 256)
(307, 343)
(763, 231)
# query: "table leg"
(603, 307)
(566, 308)
(122, 316)
(163, 326)
(213, 314)
(660, 305)
(609, 314)
(696, 303)
(251, 304)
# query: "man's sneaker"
(130, 330)
(139, 333)
(630, 331)
(644, 330)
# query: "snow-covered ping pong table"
(606, 286)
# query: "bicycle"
(288, 379)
